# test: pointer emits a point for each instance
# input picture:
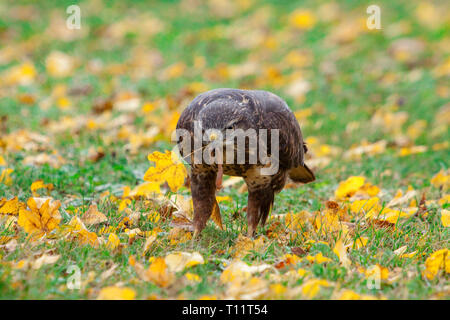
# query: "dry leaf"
(178, 261)
(92, 216)
(167, 168)
(116, 293)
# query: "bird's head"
(221, 121)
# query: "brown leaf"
(179, 220)
(422, 207)
(383, 224)
(96, 154)
(101, 106)
(298, 251)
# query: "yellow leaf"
(311, 287)
(148, 243)
(360, 243)
(40, 220)
(11, 206)
(59, 64)
(401, 198)
(392, 216)
(253, 288)
(178, 235)
(39, 184)
(159, 274)
(408, 255)
(146, 189)
(400, 250)
(124, 204)
(349, 187)
(208, 297)
(215, 216)
(244, 245)
(224, 198)
(113, 241)
(167, 168)
(192, 277)
(154, 216)
(356, 152)
(445, 217)
(302, 272)
(44, 259)
(79, 232)
(8, 223)
(5, 176)
(277, 290)
(351, 295)
(441, 179)
(445, 199)
(329, 222)
(238, 271)
(302, 19)
(297, 221)
(116, 293)
(341, 251)
(437, 261)
(288, 260)
(377, 271)
(93, 216)
(318, 258)
(178, 261)
(23, 74)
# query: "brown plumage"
(223, 109)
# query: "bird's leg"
(203, 190)
(258, 208)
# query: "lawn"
(81, 110)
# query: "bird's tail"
(302, 174)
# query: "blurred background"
(119, 82)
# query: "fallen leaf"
(40, 219)
(178, 261)
(311, 287)
(167, 168)
(341, 251)
(78, 231)
(445, 217)
(116, 293)
(437, 261)
(11, 206)
(45, 259)
(113, 241)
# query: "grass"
(365, 78)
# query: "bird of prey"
(227, 110)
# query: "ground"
(82, 109)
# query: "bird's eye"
(230, 127)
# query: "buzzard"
(223, 111)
